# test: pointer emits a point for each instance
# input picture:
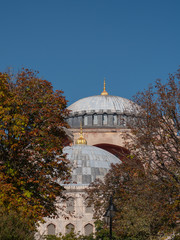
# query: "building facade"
(104, 119)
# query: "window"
(85, 120)
(115, 119)
(104, 119)
(88, 207)
(123, 121)
(69, 228)
(88, 229)
(51, 229)
(70, 205)
(95, 119)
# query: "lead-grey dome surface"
(103, 103)
(89, 163)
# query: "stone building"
(104, 119)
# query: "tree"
(142, 201)
(147, 198)
(154, 138)
(126, 183)
(32, 122)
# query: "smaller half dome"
(89, 163)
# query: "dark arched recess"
(118, 151)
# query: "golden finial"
(104, 91)
(81, 139)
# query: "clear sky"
(76, 43)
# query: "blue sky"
(76, 43)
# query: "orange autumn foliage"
(32, 118)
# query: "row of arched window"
(70, 205)
(88, 229)
(100, 120)
(104, 119)
(95, 119)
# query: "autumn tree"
(145, 187)
(32, 123)
(155, 138)
(144, 210)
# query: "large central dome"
(103, 103)
(102, 111)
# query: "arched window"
(88, 229)
(85, 120)
(123, 121)
(95, 119)
(51, 229)
(75, 120)
(115, 119)
(104, 119)
(69, 228)
(88, 207)
(70, 205)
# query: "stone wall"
(95, 136)
(81, 218)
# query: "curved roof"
(103, 103)
(89, 163)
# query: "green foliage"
(176, 238)
(69, 236)
(12, 227)
(102, 232)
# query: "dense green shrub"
(13, 227)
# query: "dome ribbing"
(89, 163)
(103, 103)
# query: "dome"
(103, 103)
(89, 163)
